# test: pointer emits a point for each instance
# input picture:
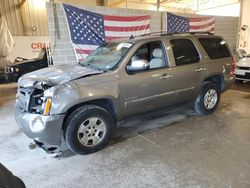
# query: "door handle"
(166, 76)
(200, 69)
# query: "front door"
(149, 89)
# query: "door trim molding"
(128, 103)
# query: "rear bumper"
(44, 129)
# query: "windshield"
(107, 56)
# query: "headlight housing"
(40, 102)
(17, 69)
(49, 92)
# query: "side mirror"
(138, 65)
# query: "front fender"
(72, 95)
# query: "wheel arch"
(217, 79)
(106, 103)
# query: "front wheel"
(208, 98)
(88, 129)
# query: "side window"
(184, 52)
(152, 52)
(215, 47)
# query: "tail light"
(233, 66)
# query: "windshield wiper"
(92, 66)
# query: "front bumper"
(13, 77)
(2, 78)
(44, 129)
(242, 74)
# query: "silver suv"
(80, 104)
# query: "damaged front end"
(42, 99)
(32, 113)
(36, 98)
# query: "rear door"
(189, 68)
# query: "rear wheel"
(208, 98)
(88, 129)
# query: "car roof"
(158, 35)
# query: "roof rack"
(165, 33)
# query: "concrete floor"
(173, 149)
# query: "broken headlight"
(40, 102)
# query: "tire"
(208, 98)
(88, 129)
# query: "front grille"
(244, 68)
(247, 76)
(29, 99)
(23, 97)
(9, 69)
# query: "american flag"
(89, 30)
(177, 24)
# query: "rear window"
(216, 48)
(184, 52)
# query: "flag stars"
(85, 27)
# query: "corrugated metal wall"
(10, 11)
(35, 16)
(32, 15)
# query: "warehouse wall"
(33, 13)
(10, 11)
(224, 26)
(63, 52)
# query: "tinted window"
(152, 52)
(184, 52)
(215, 47)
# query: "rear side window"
(184, 51)
(216, 48)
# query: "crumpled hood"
(244, 62)
(55, 75)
